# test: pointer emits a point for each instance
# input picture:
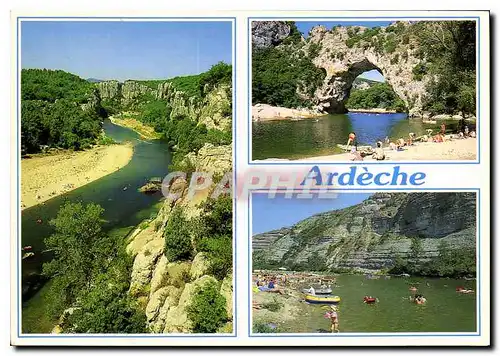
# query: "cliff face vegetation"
(418, 233)
(429, 65)
(182, 270)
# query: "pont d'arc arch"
(344, 61)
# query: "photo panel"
(365, 264)
(372, 89)
(124, 150)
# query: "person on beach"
(412, 137)
(351, 141)
(466, 131)
(357, 156)
(443, 129)
(439, 138)
(334, 318)
(379, 153)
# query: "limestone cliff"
(213, 110)
(269, 33)
(166, 288)
(346, 52)
(129, 94)
(371, 235)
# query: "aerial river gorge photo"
(102, 249)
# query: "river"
(445, 310)
(318, 137)
(124, 209)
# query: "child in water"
(334, 318)
(351, 140)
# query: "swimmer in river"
(351, 140)
(334, 319)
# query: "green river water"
(445, 310)
(318, 137)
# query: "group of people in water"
(397, 145)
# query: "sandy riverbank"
(464, 149)
(264, 112)
(145, 131)
(46, 176)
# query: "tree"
(218, 74)
(51, 112)
(449, 48)
(207, 311)
(107, 308)
(177, 237)
(76, 245)
(379, 95)
(214, 234)
(416, 248)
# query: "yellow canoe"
(316, 299)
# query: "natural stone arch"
(344, 63)
(340, 86)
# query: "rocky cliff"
(373, 234)
(269, 33)
(128, 94)
(166, 288)
(214, 110)
(346, 52)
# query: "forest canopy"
(379, 95)
(52, 113)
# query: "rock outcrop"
(128, 94)
(214, 110)
(372, 234)
(346, 52)
(269, 33)
(165, 287)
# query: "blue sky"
(305, 27)
(125, 50)
(270, 214)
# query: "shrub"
(419, 71)
(177, 237)
(207, 310)
(220, 73)
(107, 309)
(214, 234)
(314, 49)
(273, 306)
(261, 328)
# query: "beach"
(145, 131)
(459, 149)
(264, 112)
(44, 176)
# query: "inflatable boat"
(316, 299)
(369, 300)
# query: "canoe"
(315, 299)
(319, 291)
(369, 300)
